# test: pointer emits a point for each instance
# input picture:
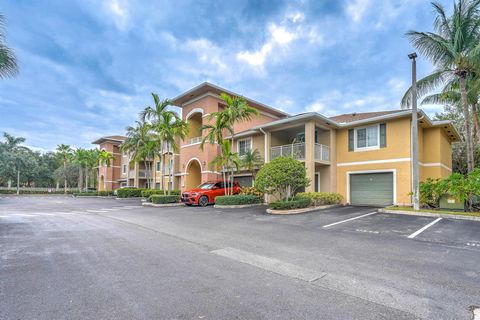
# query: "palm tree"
(226, 160)
(237, 110)
(140, 145)
(455, 51)
(79, 159)
(90, 162)
(8, 61)
(105, 158)
(64, 152)
(251, 160)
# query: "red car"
(206, 193)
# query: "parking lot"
(341, 263)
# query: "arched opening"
(101, 183)
(195, 124)
(194, 175)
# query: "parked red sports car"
(206, 193)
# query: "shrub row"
(129, 193)
(252, 191)
(161, 199)
(149, 192)
(10, 191)
(99, 193)
(321, 198)
(295, 203)
(237, 200)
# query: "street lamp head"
(412, 55)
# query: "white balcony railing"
(297, 151)
(322, 152)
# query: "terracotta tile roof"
(350, 117)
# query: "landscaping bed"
(160, 200)
(237, 201)
(433, 213)
(306, 202)
(93, 194)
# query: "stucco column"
(310, 154)
(135, 174)
(333, 160)
(267, 145)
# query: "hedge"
(10, 191)
(321, 198)
(99, 193)
(295, 203)
(129, 192)
(161, 199)
(237, 200)
(148, 192)
(251, 191)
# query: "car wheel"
(188, 204)
(203, 201)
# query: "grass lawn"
(457, 213)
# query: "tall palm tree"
(90, 162)
(250, 161)
(454, 50)
(105, 158)
(226, 160)
(79, 159)
(140, 145)
(65, 153)
(8, 61)
(237, 110)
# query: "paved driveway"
(107, 259)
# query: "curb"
(430, 214)
(237, 206)
(133, 198)
(105, 197)
(303, 210)
(149, 204)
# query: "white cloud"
(208, 54)
(280, 35)
(316, 106)
(355, 9)
(119, 11)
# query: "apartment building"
(366, 157)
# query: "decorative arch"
(193, 173)
(193, 111)
(195, 122)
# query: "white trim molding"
(188, 163)
(193, 111)
(209, 171)
(346, 164)
(394, 171)
(435, 164)
(191, 144)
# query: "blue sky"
(87, 67)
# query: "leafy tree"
(251, 160)
(455, 51)
(283, 175)
(8, 61)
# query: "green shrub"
(85, 194)
(321, 198)
(282, 175)
(149, 192)
(252, 191)
(129, 193)
(237, 200)
(295, 203)
(161, 199)
(105, 193)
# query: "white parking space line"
(23, 215)
(354, 218)
(416, 233)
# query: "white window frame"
(158, 166)
(356, 148)
(247, 139)
(124, 169)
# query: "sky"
(87, 67)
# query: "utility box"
(447, 202)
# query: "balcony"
(297, 151)
(194, 140)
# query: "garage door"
(374, 189)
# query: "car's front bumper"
(189, 199)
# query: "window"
(124, 169)
(244, 146)
(158, 165)
(123, 185)
(367, 137)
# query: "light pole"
(415, 179)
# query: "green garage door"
(375, 189)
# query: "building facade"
(366, 157)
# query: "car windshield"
(206, 185)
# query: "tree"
(226, 160)
(105, 158)
(90, 162)
(15, 156)
(237, 110)
(140, 145)
(251, 160)
(8, 61)
(455, 51)
(65, 153)
(282, 175)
